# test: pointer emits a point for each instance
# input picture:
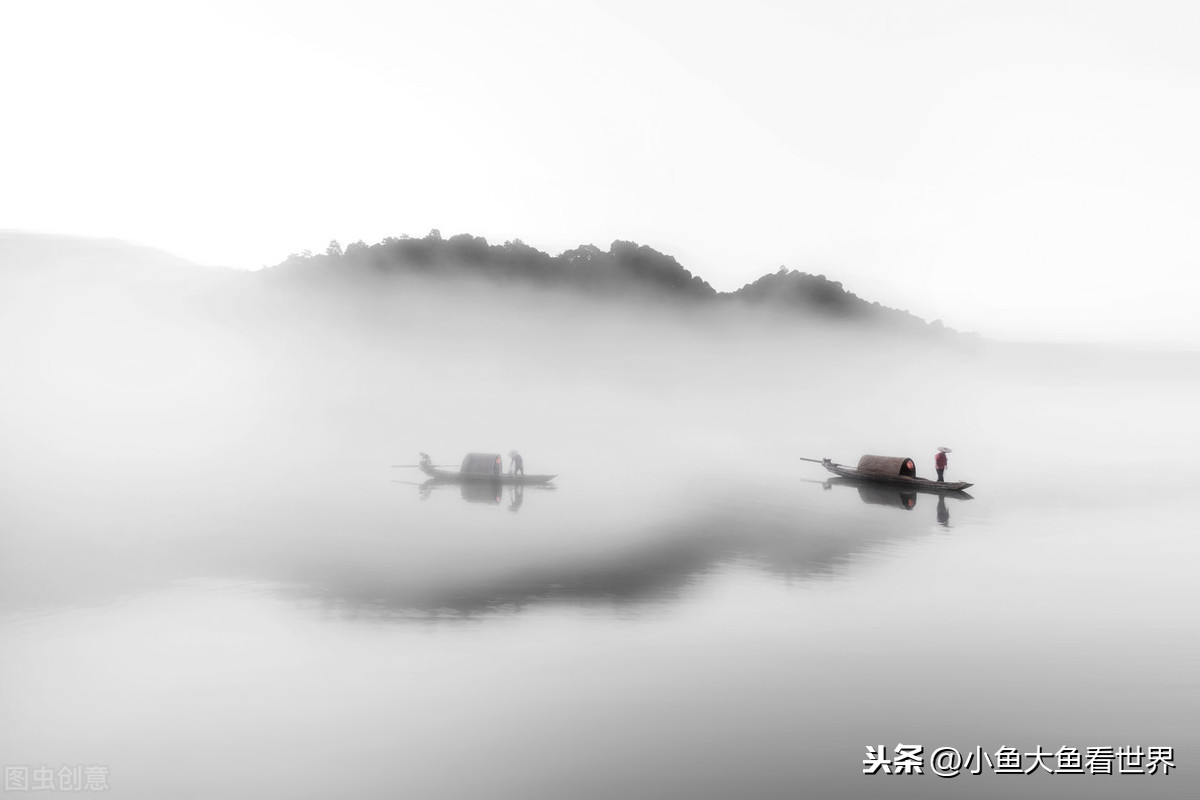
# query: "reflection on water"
(719, 638)
(719, 651)
(443, 562)
(486, 492)
(887, 496)
(896, 496)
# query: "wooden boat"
(479, 468)
(890, 470)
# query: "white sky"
(1027, 170)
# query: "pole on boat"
(414, 466)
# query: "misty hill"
(58, 265)
(51, 283)
(25, 254)
(625, 270)
(789, 290)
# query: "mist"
(205, 457)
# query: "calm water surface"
(690, 612)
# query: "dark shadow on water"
(437, 560)
(584, 565)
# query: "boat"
(479, 468)
(895, 471)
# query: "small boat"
(890, 470)
(479, 468)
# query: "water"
(235, 596)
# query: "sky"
(1025, 170)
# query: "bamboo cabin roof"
(888, 465)
(482, 464)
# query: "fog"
(205, 456)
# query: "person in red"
(940, 461)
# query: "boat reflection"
(896, 497)
(486, 492)
(482, 492)
(887, 496)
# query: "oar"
(415, 466)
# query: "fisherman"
(517, 466)
(939, 462)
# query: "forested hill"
(626, 269)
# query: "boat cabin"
(482, 464)
(888, 465)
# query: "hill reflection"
(464, 571)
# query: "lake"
(215, 584)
